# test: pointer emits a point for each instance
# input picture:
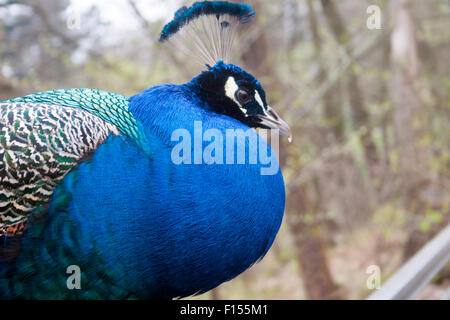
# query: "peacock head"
(232, 91)
(206, 32)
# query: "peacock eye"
(243, 96)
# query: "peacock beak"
(273, 121)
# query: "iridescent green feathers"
(44, 135)
(110, 107)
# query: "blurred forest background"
(368, 171)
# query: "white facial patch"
(259, 100)
(230, 90)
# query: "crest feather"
(206, 30)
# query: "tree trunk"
(310, 250)
(331, 98)
(357, 103)
(410, 126)
(405, 65)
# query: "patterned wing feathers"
(39, 144)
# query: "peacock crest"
(207, 30)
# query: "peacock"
(155, 196)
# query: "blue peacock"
(87, 179)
